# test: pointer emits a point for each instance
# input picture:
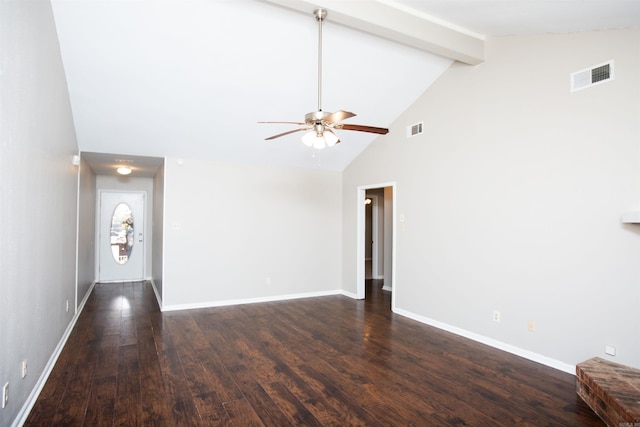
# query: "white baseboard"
(155, 291)
(248, 300)
(387, 288)
(349, 294)
(535, 357)
(21, 418)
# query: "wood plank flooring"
(327, 361)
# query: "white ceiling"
(193, 78)
(529, 17)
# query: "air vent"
(415, 129)
(592, 76)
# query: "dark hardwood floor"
(320, 361)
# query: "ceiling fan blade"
(285, 123)
(338, 116)
(362, 128)
(284, 133)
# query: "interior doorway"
(376, 228)
(374, 234)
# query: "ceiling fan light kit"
(319, 124)
(319, 140)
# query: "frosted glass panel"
(122, 233)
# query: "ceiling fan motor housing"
(315, 117)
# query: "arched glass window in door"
(122, 233)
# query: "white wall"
(230, 228)
(512, 199)
(157, 232)
(368, 231)
(86, 229)
(388, 238)
(39, 186)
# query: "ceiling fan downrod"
(320, 15)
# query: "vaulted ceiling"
(193, 78)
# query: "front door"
(121, 236)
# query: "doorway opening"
(376, 236)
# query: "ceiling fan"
(320, 124)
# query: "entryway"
(121, 236)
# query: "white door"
(121, 236)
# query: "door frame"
(98, 231)
(360, 234)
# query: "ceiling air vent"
(415, 129)
(592, 76)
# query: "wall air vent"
(592, 76)
(415, 129)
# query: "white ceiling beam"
(389, 21)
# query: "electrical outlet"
(610, 350)
(67, 306)
(531, 325)
(5, 395)
(496, 316)
(24, 368)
